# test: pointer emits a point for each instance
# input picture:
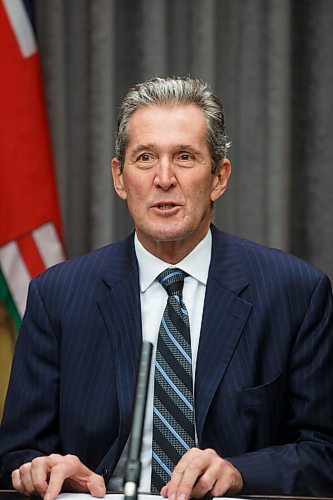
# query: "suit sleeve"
(30, 422)
(303, 465)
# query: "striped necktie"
(173, 412)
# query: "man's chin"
(169, 235)
(163, 235)
(170, 245)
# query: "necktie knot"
(172, 280)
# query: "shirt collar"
(196, 263)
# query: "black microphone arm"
(133, 466)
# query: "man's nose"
(165, 175)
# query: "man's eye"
(144, 157)
(185, 156)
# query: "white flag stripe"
(21, 26)
(16, 274)
(48, 244)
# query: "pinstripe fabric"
(173, 411)
(263, 382)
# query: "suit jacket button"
(105, 473)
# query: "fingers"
(46, 476)
(184, 476)
(76, 477)
(96, 486)
(39, 472)
(202, 472)
(22, 482)
(63, 469)
(230, 481)
(31, 477)
(220, 478)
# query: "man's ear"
(118, 180)
(220, 181)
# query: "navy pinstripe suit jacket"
(264, 378)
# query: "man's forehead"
(155, 117)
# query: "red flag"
(30, 227)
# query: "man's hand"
(202, 472)
(46, 476)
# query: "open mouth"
(166, 206)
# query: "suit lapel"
(120, 308)
(224, 318)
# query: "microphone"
(133, 466)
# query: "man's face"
(167, 179)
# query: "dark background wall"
(271, 62)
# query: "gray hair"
(178, 90)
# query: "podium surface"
(14, 495)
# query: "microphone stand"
(133, 466)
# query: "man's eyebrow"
(140, 148)
(188, 147)
(179, 147)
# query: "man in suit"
(260, 320)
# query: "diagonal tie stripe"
(179, 425)
(173, 414)
(174, 387)
(168, 329)
(171, 429)
(169, 356)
